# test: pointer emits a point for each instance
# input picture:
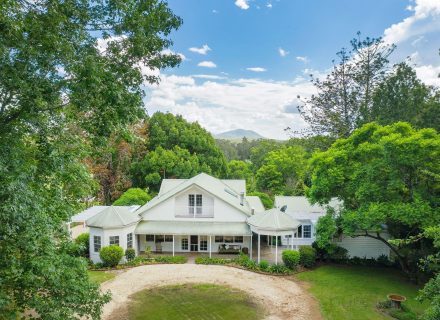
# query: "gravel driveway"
(282, 298)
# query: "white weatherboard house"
(204, 215)
(300, 209)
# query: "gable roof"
(215, 186)
(234, 184)
(113, 217)
(92, 211)
(87, 213)
(255, 203)
(273, 220)
(300, 208)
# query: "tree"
(260, 151)
(168, 131)
(228, 148)
(110, 162)
(238, 169)
(63, 92)
(387, 178)
(270, 180)
(264, 197)
(344, 97)
(133, 196)
(162, 163)
(403, 97)
(283, 171)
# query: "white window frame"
(204, 240)
(309, 226)
(95, 243)
(195, 203)
(114, 241)
(129, 240)
(184, 243)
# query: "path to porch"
(281, 297)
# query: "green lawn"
(193, 301)
(351, 292)
(100, 276)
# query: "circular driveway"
(280, 297)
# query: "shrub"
(98, 265)
(383, 260)
(171, 259)
(207, 260)
(242, 260)
(83, 241)
(338, 254)
(111, 255)
(251, 265)
(291, 258)
(137, 261)
(130, 254)
(148, 252)
(264, 265)
(278, 269)
(307, 256)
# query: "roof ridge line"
(120, 218)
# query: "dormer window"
(195, 203)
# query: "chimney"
(241, 198)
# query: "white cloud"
(203, 50)
(417, 24)
(214, 11)
(282, 52)
(170, 52)
(242, 4)
(267, 107)
(303, 59)
(207, 64)
(269, 5)
(429, 74)
(417, 37)
(208, 76)
(256, 69)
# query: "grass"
(100, 276)
(352, 292)
(194, 302)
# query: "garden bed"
(140, 261)
(244, 263)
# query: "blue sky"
(246, 61)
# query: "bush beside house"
(111, 255)
(307, 256)
(130, 254)
(291, 258)
(83, 242)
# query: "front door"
(194, 243)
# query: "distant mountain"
(238, 134)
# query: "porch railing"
(194, 212)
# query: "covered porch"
(193, 237)
(268, 227)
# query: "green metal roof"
(273, 220)
(113, 217)
(193, 228)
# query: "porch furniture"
(229, 249)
